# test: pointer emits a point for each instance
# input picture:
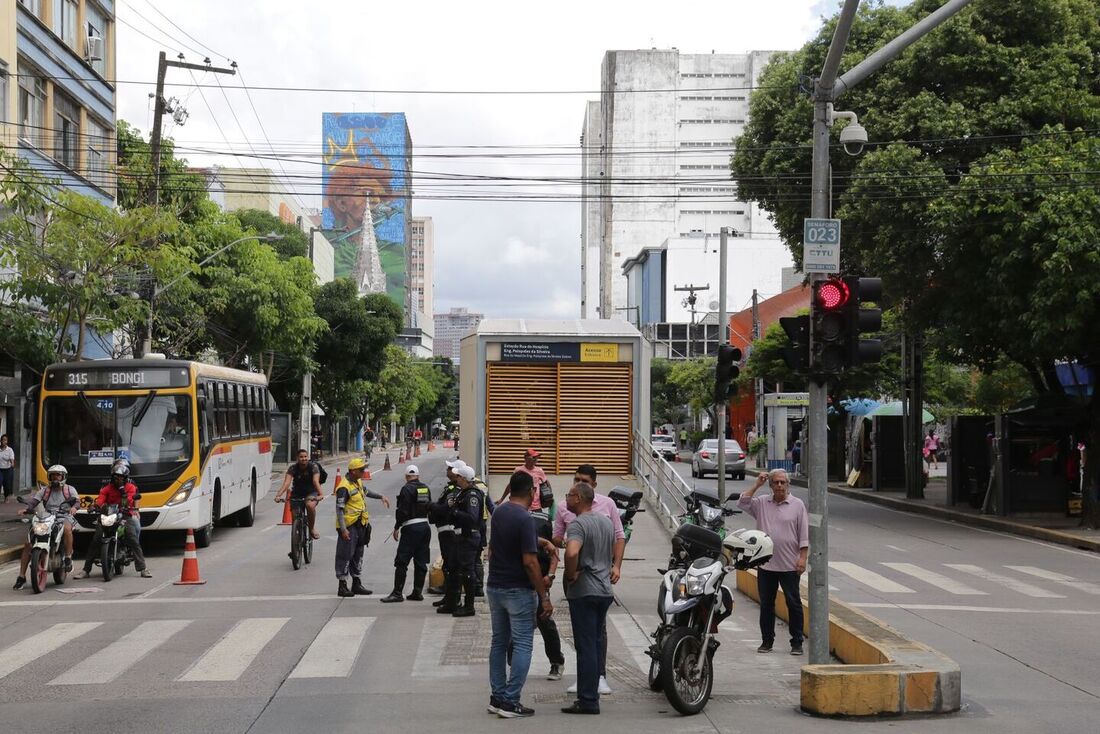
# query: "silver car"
(705, 459)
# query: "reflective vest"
(355, 509)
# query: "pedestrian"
(418, 436)
(684, 439)
(783, 517)
(7, 467)
(931, 447)
(353, 526)
(530, 466)
(516, 596)
(413, 536)
(588, 544)
(604, 505)
(548, 565)
(468, 518)
(440, 514)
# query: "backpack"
(323, 475)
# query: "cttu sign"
(820, 245)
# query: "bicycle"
(301, 540)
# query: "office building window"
(98, 152)
(35, 6)
(3, 92)
(66, 131)
(64, 20)
(96, 21)
(32, 105)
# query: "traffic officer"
(441, 516)
(353, 524)
(468, 518)
(413, 536)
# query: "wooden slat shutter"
(521, 413)
(595, 417)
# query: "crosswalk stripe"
(30, 649)
(434, 638)
(230, 656)
(112, 661)
(637, 642)
(1058, 578)
(876, 581)
(335, 649)
(1007, 581)
(936, 579)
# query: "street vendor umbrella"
(894, 408)
(859, 406)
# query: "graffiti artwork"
(367, 195)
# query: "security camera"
(853, 137)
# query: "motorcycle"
(629, 503)
(113, 556)
(705, 511)
(692, 602)
(45, 531)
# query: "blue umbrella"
(859, 406)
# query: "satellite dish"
(713, 305)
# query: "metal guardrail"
(666, 489)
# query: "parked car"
(664, 446)
(705, 459)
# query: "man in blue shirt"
(516, 594)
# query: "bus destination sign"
(116, 378)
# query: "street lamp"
(148, 346)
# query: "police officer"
(468, 518)
(441, 514)
(353, 524)
(414, 537)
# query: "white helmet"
(58, 469)
(749, 548)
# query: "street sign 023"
(820, 245)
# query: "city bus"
(197, 436)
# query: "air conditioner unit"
(94, 49)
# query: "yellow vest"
(355, 510)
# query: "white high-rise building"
(450, 327)
(655, 161)
(422, 269)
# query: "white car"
(663, 445)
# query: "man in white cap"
(467, 517)
(444, 524)
(413, 536)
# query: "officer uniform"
(441, 513)
(468, 521)
(413, 504)
(352, 516)
(488, 507)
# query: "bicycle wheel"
(296, 543)
(307, 547)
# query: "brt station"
(575, 390)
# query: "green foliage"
(182, 192)
(1000, 389)
(295, 243)
(694, 378)
(668, 399)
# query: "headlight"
(40, 528)
(710, 514)
(694, 584)
(182, 493)
(107, 520)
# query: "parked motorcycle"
(113, 556)
(45, 531)
(629, 503)
(706, 511)
(691, 604)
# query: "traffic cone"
(401, 457)
(336, 482)
(288, 516)
(416, 451)
(387, 467)
(431, 446)
(189, 575)
(366, 475)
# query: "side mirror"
(733, 497)
(137, 496)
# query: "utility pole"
(691, 289)
(758, 383)
(723, 338)
(827, 89)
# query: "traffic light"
(830, 332)
(863, 320)
(797, 353)
(725, 372)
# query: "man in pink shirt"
(784, 518)
(530, 466)
(604, 505)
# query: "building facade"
(655, 161)
(450, 327)
(422, 271)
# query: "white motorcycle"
(691, 604)
(46, 533)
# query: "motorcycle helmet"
(120, 470)
(58, 469)
(749, 548)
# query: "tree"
(295, 243)
(668, 398)
(395, 390)
(695, 378)
(182, 191)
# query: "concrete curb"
(964, 518)
(883, 673)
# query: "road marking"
(1058, 578)
(931, 577)
(984, 610)
(184, 600)
(230, 656)
(1007, 581)
(270, 527)
(894, 547)
(154, 590)
(30, 649)
(637, 642)
(335, 649)
(435, 635)
(112, 661)
(876, 581)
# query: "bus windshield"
(152, 431)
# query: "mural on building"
(366, 191)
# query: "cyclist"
(303, 478)
(59, 497)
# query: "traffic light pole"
(723, 339)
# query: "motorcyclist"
(60, 499)
(122, 492)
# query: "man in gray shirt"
(588, 552)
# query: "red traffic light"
(832, 295)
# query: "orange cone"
(401, 457)
(288, 516)
(387, 467)
(336, 482)
(189, 575)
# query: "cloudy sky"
(502, 258)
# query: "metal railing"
(664, 487)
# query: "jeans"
(768, 583)
(513, 614)
(589, 617)
(551, 641)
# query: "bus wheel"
(206, 532)
(247, 517)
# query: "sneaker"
(494, 706)
(555, 672)
(764, 647)
(20, 582)
(68, 561)
(796, 648)
(605, 690)
(82, 574)
(571, 689)
(393, 597)
(576, 708)
(514, 711)
(146, 574)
